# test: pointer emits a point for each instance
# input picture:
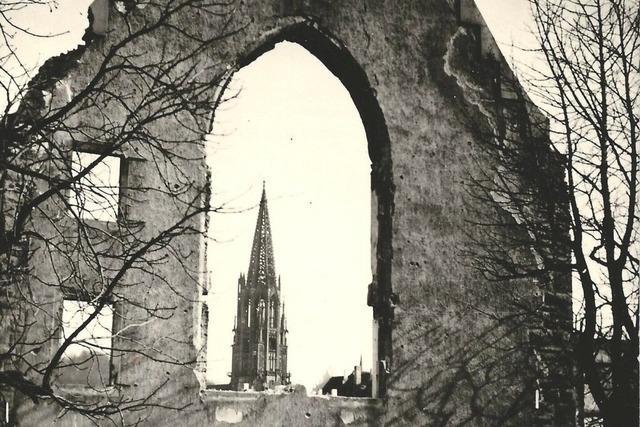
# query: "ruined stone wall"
(450, 356)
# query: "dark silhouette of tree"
(588, 84)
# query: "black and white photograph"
(319, 213)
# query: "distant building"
(357, 384)
(259, 358)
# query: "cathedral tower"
(260, 331)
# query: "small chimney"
(357, 374)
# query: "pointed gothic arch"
(338, 60)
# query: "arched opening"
(324, 155)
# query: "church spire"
(259, 354)
(262, 271)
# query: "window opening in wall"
(249, 314)
(95, 195)
(272, 315)
(291, 169)
(4, 412)
(87, 360)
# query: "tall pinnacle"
(262, 270)
(259, 355)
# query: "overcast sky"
(306, 141)
(293, 125)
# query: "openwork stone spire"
(262, 270)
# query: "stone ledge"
(237, 407)
(351, 402)
(212, 395)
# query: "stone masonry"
(445, 354)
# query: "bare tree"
(588, 84)
(78, 258)
(591, 48)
